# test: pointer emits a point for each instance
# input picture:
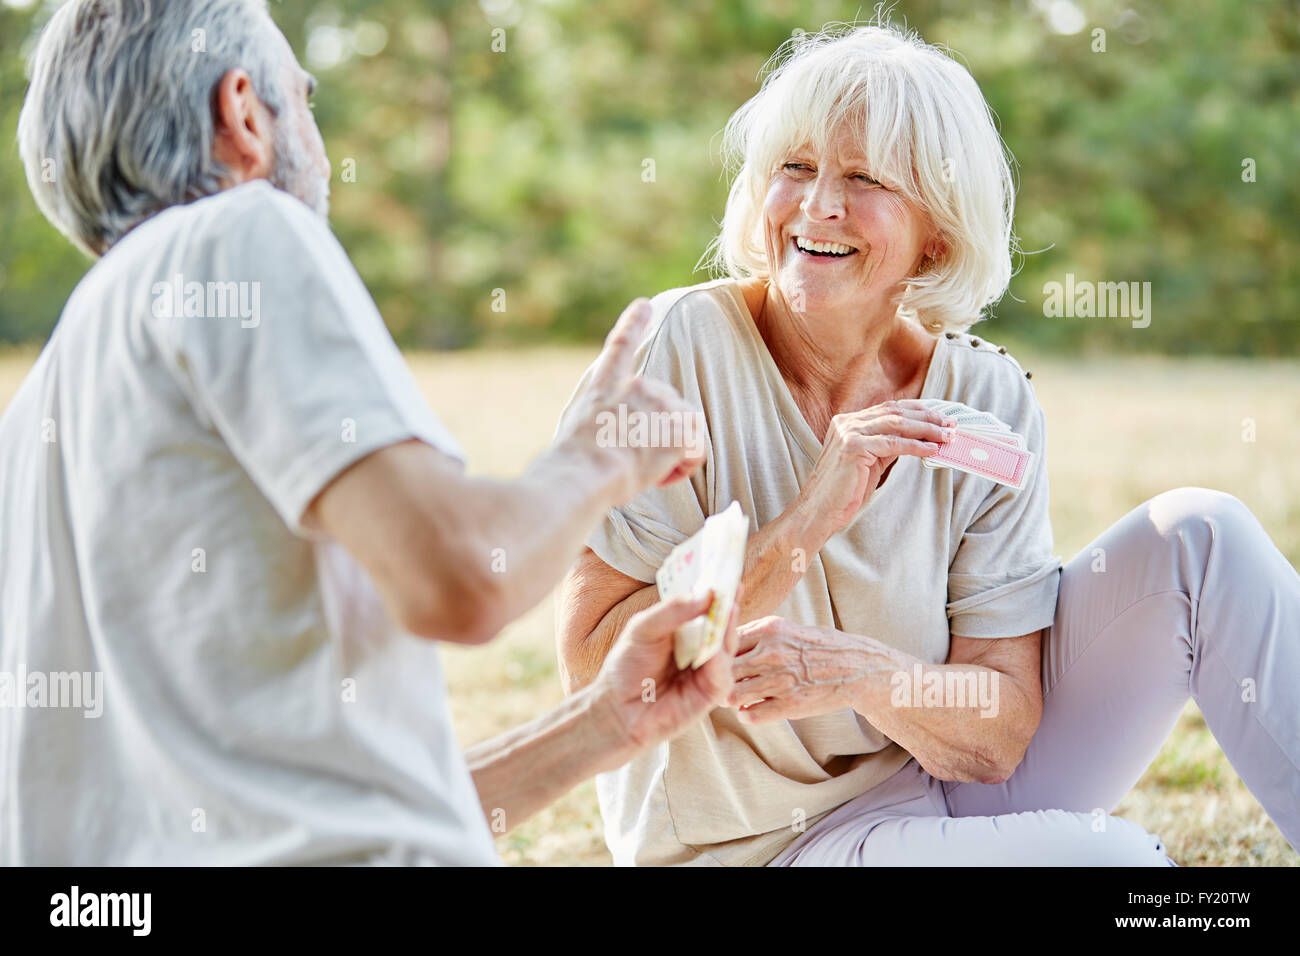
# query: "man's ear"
(243, 140)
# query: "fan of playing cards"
(711, 559)
(983, 445)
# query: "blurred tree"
(511, 171)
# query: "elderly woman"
(868, 225)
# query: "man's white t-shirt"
(186, 674)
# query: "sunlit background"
(578, 167)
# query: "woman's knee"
(1132, 845)
(1099, 839)
(1044, 838)
(1189, 509)
(1163, 532)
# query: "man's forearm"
(519, 772)
(527, 532)
(957, 743)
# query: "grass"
(1120, 430)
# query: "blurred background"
(507, 203)
(468, 161)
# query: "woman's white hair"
(118, 124)
(926, 132)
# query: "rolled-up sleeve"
(1003, 580)
(637, 538)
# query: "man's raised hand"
(639, 426)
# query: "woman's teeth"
(822, 248)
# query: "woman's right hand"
(858, 449)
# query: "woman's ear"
(936, 248)
(243, 140)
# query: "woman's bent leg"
(1185, 595)
(904, 822)
(1034, 838)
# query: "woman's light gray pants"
(1186, 595)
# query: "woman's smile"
(823, 248)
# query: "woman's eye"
(863, 177)
(798, 167)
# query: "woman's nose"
(824, 199)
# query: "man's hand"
(647, 699)
(639, 699)
(612, 383)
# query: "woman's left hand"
(784, 671)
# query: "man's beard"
(295, 173)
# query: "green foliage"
(525, 170)
(38, 267)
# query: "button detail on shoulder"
(1029, 375)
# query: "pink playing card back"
(987, 457)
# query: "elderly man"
(227, 507)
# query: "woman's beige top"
(934, 552)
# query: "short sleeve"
(303, 379)
(636, 538)
(1003, 580)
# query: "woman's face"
(878, 238)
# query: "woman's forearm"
(962, 722)
(580, 661)
(775, 559)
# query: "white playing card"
(996, 434)
(965, 416)
(980, 420)
(711, 559)
(945, 407)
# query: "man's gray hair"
(118, 120)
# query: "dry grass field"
(1119, 432)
